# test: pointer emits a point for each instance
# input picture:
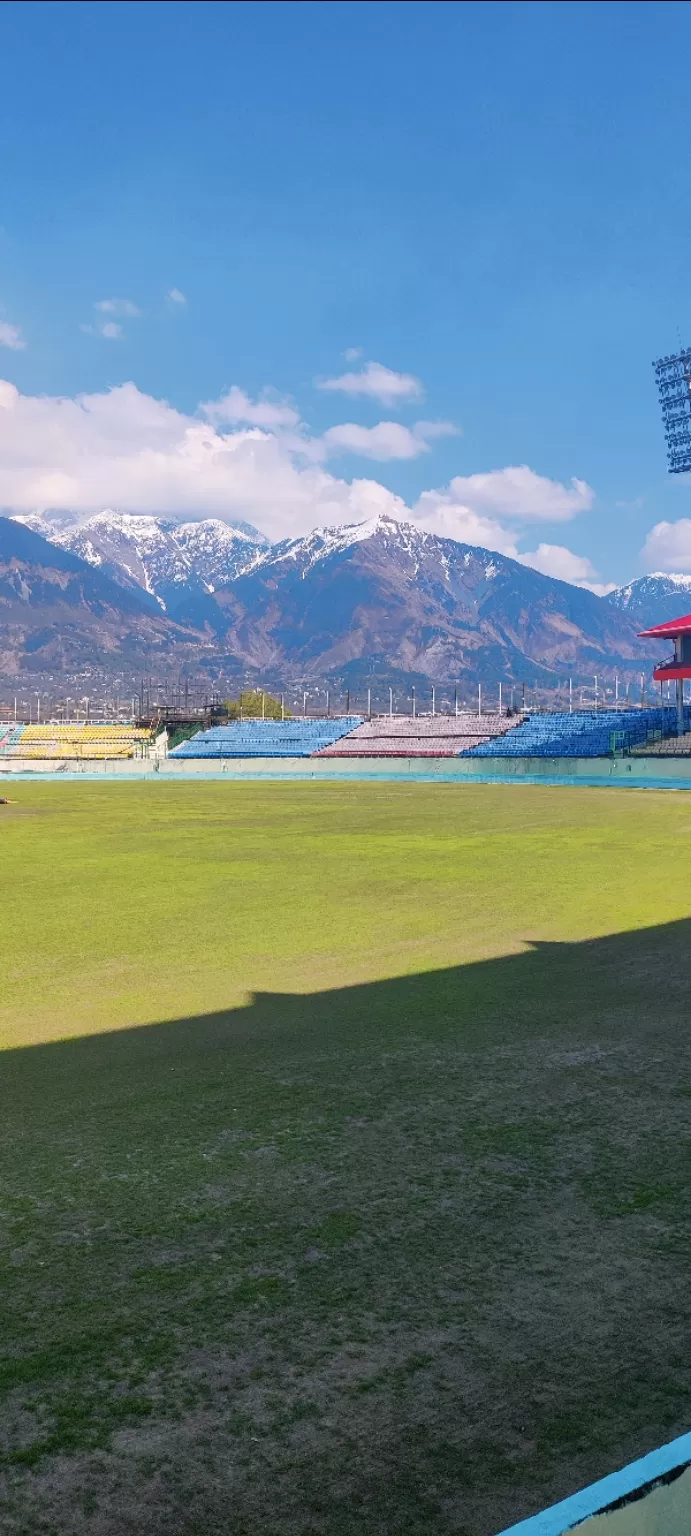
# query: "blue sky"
(491, 199)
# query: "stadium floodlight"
(673, 379)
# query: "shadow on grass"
(405, 1256)
(534, 991)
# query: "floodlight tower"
(673, 379)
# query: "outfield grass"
(344, 1153)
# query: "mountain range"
(361, 601)
(170, 561)
(58, 613)
(653, 599)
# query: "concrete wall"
(655, 772)
(650, 1497)
(664, 1511)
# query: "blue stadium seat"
(267, 738)
(586, 733)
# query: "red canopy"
(667, 631)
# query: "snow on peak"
(676, 578)
(323, 542)
(660, 583)
(217, 552)
(157, 553)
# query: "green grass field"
(344, 1153)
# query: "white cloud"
(450, 520)
(126, 449)
(123, 307)
(176, 297)
(236, 406)
(518, 492)
(236, 459)
(388, 440)
(556, 560)
(377, 383)
(428, 430)
(11, 336)
(352, 354)
(668, 547)
(111, 330)
(475, 508)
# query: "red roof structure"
(679, 665)
(669, 630)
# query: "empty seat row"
(433, 725)
(587, 733)
(266, 738)
(412, 736)
(53, 741)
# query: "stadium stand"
(419, 736)
(586, 733)
(76, 741)
(9, 736)
(266, 738)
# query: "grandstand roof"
(669, 630)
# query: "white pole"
(433, 704)
(283, 713)
(304, 705)
(570, 697)
(616, 688)
(263, 705)
(500, 698)
(479, 698)
(596, 693)
(390, 702)
(413, 702)
(455, 699)
(369, 703)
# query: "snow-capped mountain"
(381, 599)
(394, 538)
(216, 552)
(653, 599)
(172, 562)
(388, 595)
(59, 613)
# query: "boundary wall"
(651, 772)
(650, 1497)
